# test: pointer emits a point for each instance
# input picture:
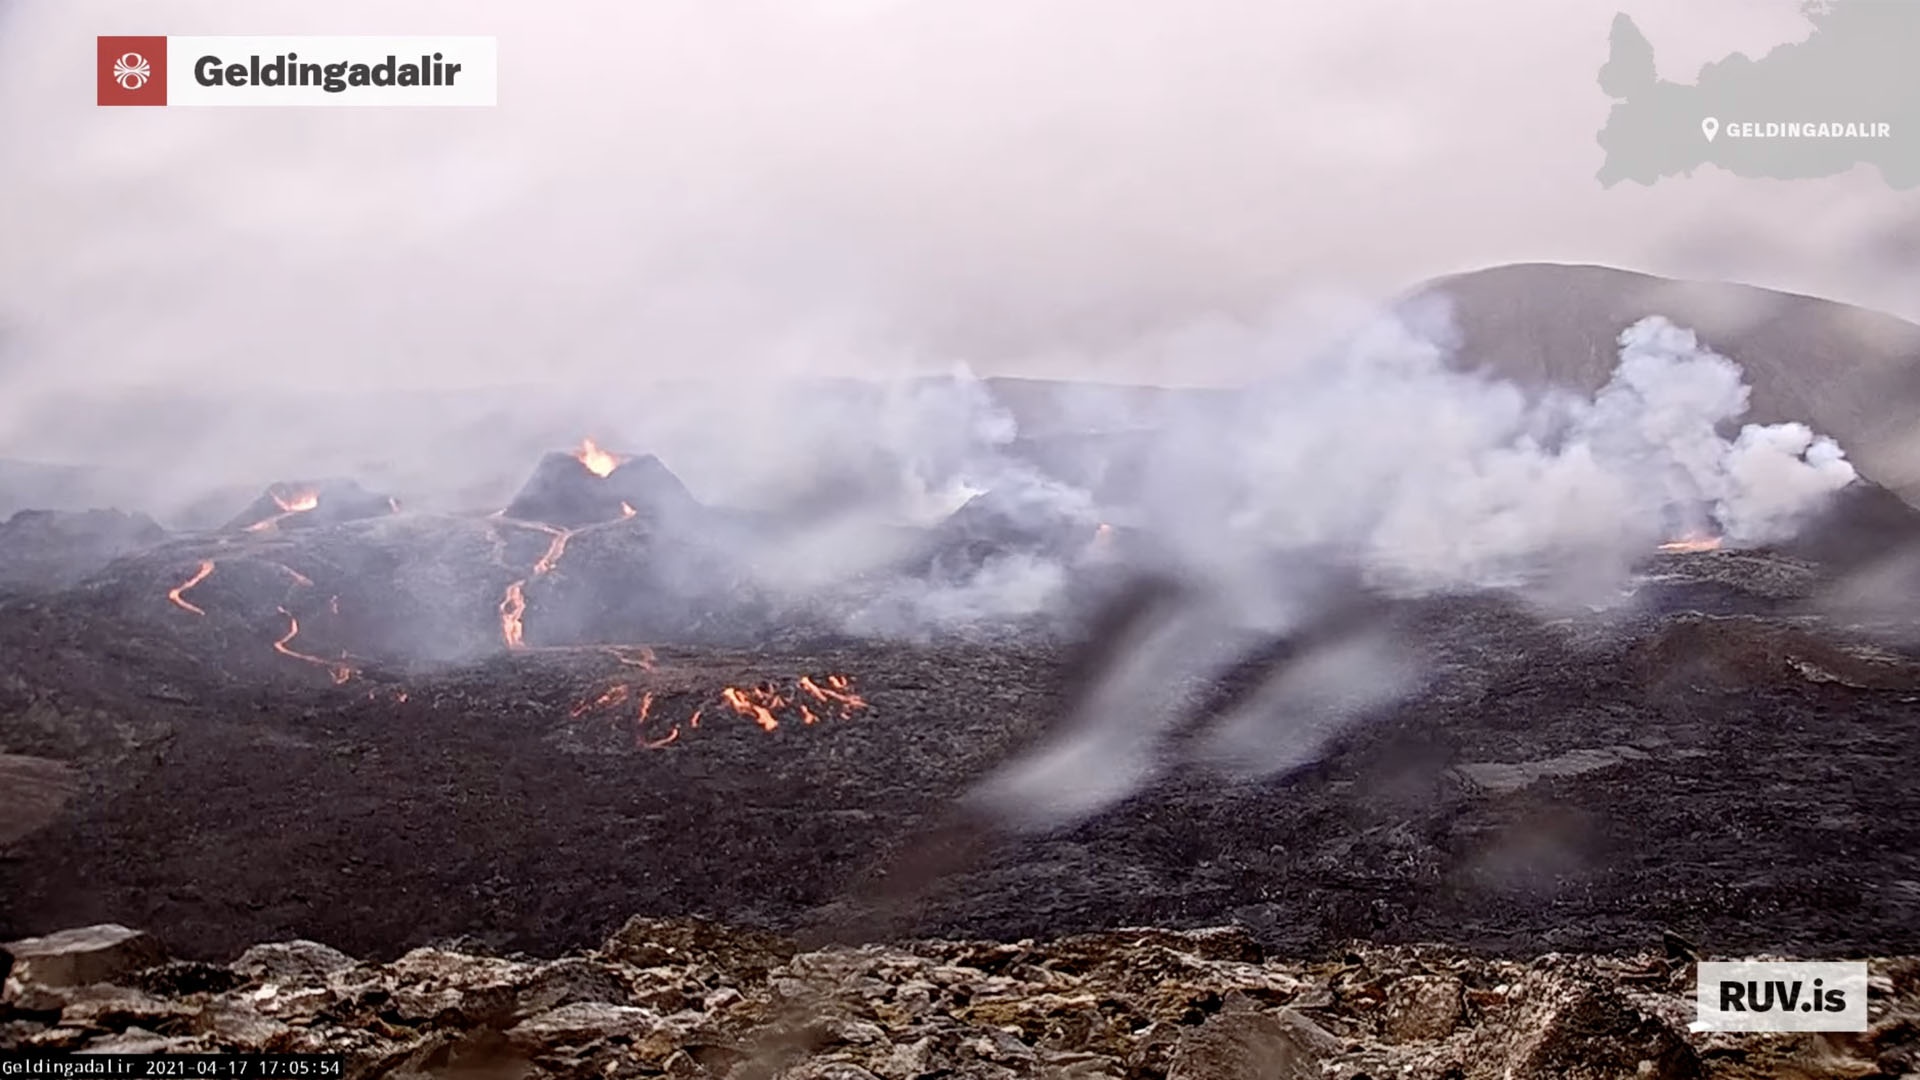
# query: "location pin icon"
(1711, 127)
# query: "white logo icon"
(131, 71)
(1711, 127)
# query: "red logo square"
(132, 70)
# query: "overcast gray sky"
(675, 188)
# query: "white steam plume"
(1419, 476)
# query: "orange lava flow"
(513, 608)
(1692, 543)
(757, 705)
(613, 695)
(598, 462)
(513, 604)
(555, 549)
(297, 502)
(763, 703)
(200, 575)
(839, 690)
(340, 672)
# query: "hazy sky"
(676, 188)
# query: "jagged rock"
(238, 1026)
(140, 1041)
(1566, 1028)
(89, 954)
(572, 981)
(119, 1008)
(582, 1022)
(1423, 1007)
(46, 1038)
(284, 960)
(179, 978)
(829, 1070)
(643, 942)
(1282, 1045)
(481, 1055)
(713, 1001)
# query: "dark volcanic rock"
(53, 549)
(1001, 523)
(1553, 784)
(1728, 654)
(1861, 523)
(36, 790)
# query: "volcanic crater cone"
(590, 485)
(308, 504)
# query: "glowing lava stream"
(1692, 542)
(749, 703)
(513, 605)
(200, 575)
(340, 672)
(298, 503)
(839, 689)
(513, 602)
(759, 703)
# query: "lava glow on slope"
(766, 704)
(1692, 542)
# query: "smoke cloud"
(1389, 459)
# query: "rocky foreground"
(687, 998)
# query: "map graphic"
(1847, 95)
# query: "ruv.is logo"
(131, 70)
(1782, 995)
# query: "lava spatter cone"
(305, 504)
(589, 485)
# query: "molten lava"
(200, 575)
(839, 690)
(756, 704)
(762, 703)
(298, 502)
(1692, 542)
(598, 462)
(290, 503)
(340, 672)
(557, 548)
(611, 696)
(513, 604)
(513, 608)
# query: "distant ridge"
(1848, 372)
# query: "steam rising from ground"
(1392, 458)
(1389, 460)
